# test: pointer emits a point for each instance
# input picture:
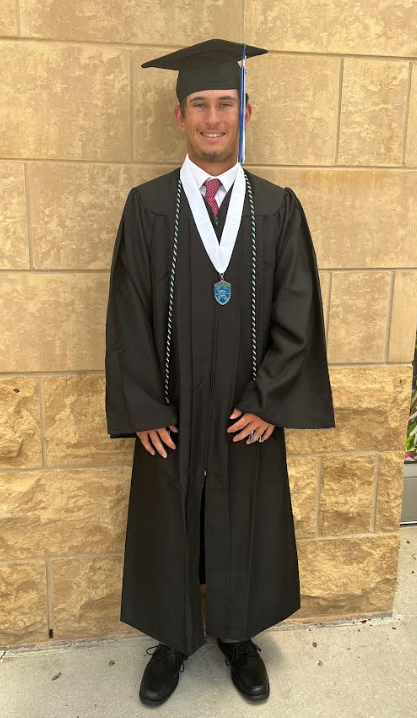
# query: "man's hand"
(155, 435)
(248, 423)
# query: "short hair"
(184, 100)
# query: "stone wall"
(334, 117)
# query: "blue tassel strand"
(242, 108)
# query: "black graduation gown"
(250, 564)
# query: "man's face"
(211, 124)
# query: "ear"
(179, 117)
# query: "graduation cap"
(211, 65)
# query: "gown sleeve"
(292, 388)
(134, 384)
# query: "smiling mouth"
(213, 135)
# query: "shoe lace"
(240, 649)
(162, 650)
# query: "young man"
(215, 334)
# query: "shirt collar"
(226, 178)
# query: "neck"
(214, 167)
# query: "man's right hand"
(155, 436)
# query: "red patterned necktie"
(212, 185)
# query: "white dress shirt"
(226, 178)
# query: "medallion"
(222, 291)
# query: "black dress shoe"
(161, 675)
(248, 670)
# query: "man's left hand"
(249, 423)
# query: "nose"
(211, 116)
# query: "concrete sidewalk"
(347, 670)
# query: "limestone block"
(358, 218)
(365, 27)
(358, 316)
(390, 491)
(75, 423)
(8, 18)
(65, 101)
(23, 606)
(346, 495)
(295, 109)
(56, 322)
(87, 595)
(156, 133)
(303, 475)
(411, 137)
(129, 21)
(402, 336)
(55, 512)
(14, 248)
(76, 227)
(20, 424)
(348, 576)
(372, 405)
(373, 108)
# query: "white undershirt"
(226, 178)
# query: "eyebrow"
(223, 97)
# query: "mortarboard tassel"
(241, 157)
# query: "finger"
(259, 432)
(173, 427)
(245, 432)
(166, 438)
(267, 433)
(156, 441)
(235, 413)
(243, 421)
(144, 437)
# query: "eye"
(223, 104)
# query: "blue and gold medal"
(222, 291)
